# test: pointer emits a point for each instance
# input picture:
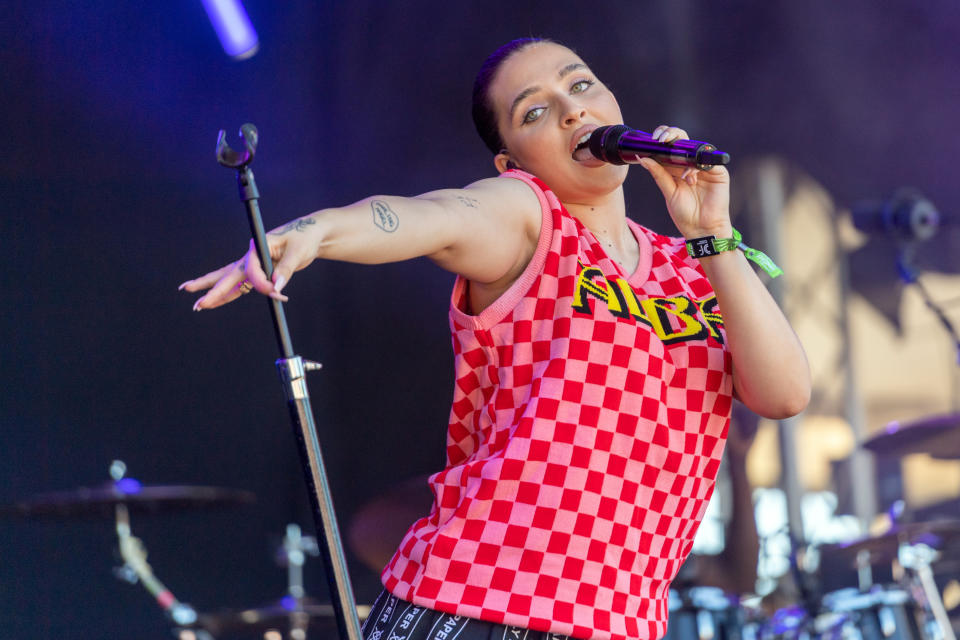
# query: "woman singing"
(595, 366)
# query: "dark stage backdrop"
(111, 197)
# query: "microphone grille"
(604, 141)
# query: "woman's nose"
(573, 112)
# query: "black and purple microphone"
(619, 144)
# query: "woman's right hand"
(292, 247)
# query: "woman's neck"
(607, 220)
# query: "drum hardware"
(125, 495)
(910, 609)
(294, 554)
(135, 568)
(788, 623)
(881, 613)
(119, 498)
(288, 617)
(709, 613)
(919, 558)
(272, 618)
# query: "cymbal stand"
(135, 568)
(292, 369)
(919, 558)
(293, 554)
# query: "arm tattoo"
(384, 217)
(468, 202)
(300, 224)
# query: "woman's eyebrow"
(565, 71)
(570, 68)
(529, 91)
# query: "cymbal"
(100, 501)
(276, 615)
(938, 436)
(884, 547)
(943, 510)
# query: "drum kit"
(292, 616)
(905, 604)
(841, 599)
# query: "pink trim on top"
(509, 298)
(495, 312)
(642, 272)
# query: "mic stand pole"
(292, 369)
(910, 274)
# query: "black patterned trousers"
(394, 619)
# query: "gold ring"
(245, 287)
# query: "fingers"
(284, 269)
(206, 281)
(295, 256)
(238, 278)
(254, 272)
(231, 282)
(227, 289)
(665, 133)
(664, 179)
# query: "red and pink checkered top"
(589, 414)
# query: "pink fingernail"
(279, 284)
(180, 288)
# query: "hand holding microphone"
(697, 199)
(619, 144)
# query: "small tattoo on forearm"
(300, 224)
(468, 202)
(384, 217)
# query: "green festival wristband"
(711, 246)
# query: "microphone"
(907, 215)
(619, 144)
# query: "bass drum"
(708, 613)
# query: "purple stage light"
(233, 27)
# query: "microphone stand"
(910, 274)
(292, 369)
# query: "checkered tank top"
(589, 414)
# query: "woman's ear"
(503, 162)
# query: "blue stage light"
(233, 27)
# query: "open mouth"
(581, 145)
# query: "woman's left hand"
(770, 371)
(698, 201)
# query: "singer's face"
(547, 100)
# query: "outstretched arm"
(770, 371)
(485, 232)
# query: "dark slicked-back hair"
(484, 118)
